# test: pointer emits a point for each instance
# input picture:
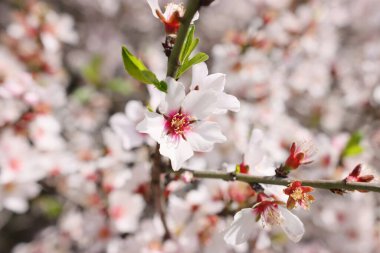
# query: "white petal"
(174, 96)
(227, 102)
(292, 225)
(199, 73)
(153, 124)
(242, 228)
(134, 110)
(255, 153)
(153, 4)
(177, 154)
(203, 135)
(215, 82)
(126, 130)
(196, 17)
(200, 103)
(263, 241)
(16, 204)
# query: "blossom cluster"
(95, 161)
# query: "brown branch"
(322, 184)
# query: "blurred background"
(302, 69)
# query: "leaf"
(83, 94)
(120, 86)
(91, 72)
(162, 86)
(188, 46)
(198, 58)
(137, 69)
(353, 146)
(50, 206)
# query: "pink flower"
(298, 194)
(298, 156)
(171, 18)
(181, 126)
(271, 213)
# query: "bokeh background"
(302, 69)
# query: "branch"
(173, 62)
(322, 184)
(158, 197)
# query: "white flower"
(45, 133)
(125, 210)
(215, 82)
(270, 213)
(171, 17)
(124, 125)
(15, 195)
(181, 125)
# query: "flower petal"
(196, 17)
(200, 103)
(177, 154)
(292, 225)
(153, 124)
(255, 153)
(126, 130)
(134, 110)
(154, 6)
(227, 102)
(203, 135)
(174, 96)
(242, 228)
(199, 73)
(215, 82)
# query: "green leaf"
(162, 86)
(198, 58)
(119, 85)
(83, 94)
(137, 69)
(91, 72)
(50, 206)
(189, 41)
(353, 146)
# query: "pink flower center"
(177, 124)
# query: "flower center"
(178, 124)
(272, 216)
(297, 194)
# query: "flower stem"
(173, 62)
(322, 184)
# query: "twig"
(158, 197)
(173, 62)
(322, 184)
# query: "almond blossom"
(271, 213)
(124, 125)
(125, 209)
(181, 124)
(172, 15)
(298, 194)
(201, 80)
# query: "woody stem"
(322, 184)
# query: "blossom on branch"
(181, 124)
(299, 194)
(271, 213)
(355, 176)
(171, 18)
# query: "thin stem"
(173, 62)
(322, 184)
(159, 202)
